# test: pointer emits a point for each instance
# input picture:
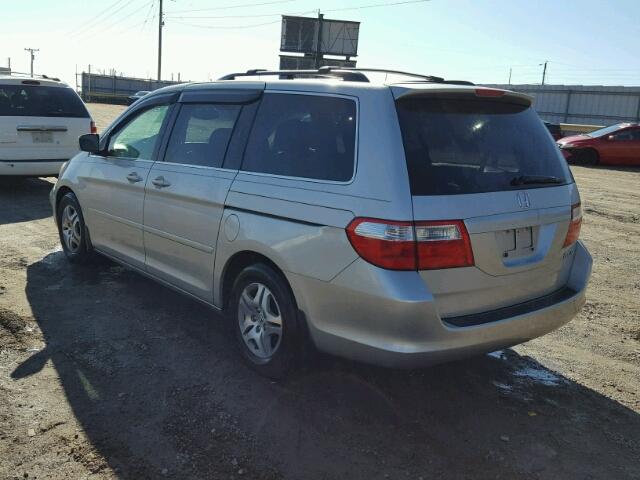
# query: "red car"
(615, 145)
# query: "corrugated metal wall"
(589, 105)
(97, 86)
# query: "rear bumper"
(391, 319)
(31, 168)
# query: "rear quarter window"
(40, 101)
(458, 146)
(305, 136)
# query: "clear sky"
(585, 41)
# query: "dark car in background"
(615, 145)
(554, 129)
(136, 96)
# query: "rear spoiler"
(459, 91)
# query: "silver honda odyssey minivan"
(399, 223)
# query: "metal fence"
(115, 89)
(581, 104)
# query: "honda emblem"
(523, 200)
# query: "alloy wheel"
(260, 320)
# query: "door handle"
(160, 182)
(133, 177)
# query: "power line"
(239, 16)
(99, 17)
(376, 5)
(227, 27)
(96, 17)
(229, 7)
(115, 21)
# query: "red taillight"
(384, 243)
(443, 244)
(411, 246)
(489, 92)
(92, 127)
(574, 227)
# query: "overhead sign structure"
(292, 62)
(317, 37)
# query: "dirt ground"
(104, 375)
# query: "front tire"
(262, 312)
(588, 156)
(72, 230)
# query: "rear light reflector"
(399, 245)
(443, 244)
(574, 227)
(93, 128)
(489, 92)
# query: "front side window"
(40, 101)
(307, 136)
(201, 134)
(138, 138)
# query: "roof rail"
(13, 73)
(428, 78)
(352, 74)
(291, 74)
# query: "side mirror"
(89, 142)
(611, 137)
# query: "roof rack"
(352, 74)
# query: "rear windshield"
(40, 101)
(457, 146)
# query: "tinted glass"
(39, 101)
(456, 146)
(624, 135)
(138, 138)
(201, 134)
(306, 136)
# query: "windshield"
(605, 131)
(40, 101)
(456, 146)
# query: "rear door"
(40, 122)
(186, 191)
(489, 162)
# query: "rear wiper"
(535, 179)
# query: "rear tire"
(262, 313)
(72, 230)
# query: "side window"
(625, 135)
(138, 138)
(201, 134)
(307, 136)
(635, 134)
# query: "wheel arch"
(62, 191)
(236, 263)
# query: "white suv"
(40, 122)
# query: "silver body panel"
(186, 235)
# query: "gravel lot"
(104, 374)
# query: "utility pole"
(544, 70)
(160, 25)
(319, 45)
(32, 52)
(510, 69)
